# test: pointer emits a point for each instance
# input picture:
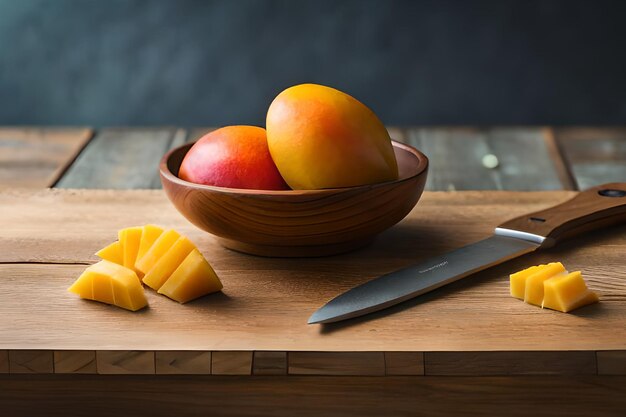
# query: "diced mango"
(112, 284)
(168, 263)
(568, 292)
(112, 253)
(129, 239)
(518, 280)
(192, 279)
(160, 247)
(149, 235)
(534, 283)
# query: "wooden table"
(468, 347)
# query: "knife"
(594, 208)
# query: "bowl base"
(293, 251)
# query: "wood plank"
(4, 361)
(36, 157)
(31, 362)
(510, 363)
(269, 363)
(611, 362)
(275, 396)
(404, 363)
(125, 362)
(266, 301)
(120, 159)
(596, 155)
(231, 363)
(456, 158)
(336, 363)
(75, 362)
(183, 362)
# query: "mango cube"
(159, 248)
(567, 292)
(111, 283)
(112, 253)
(518, 280)
(168, 263)
(534, 283)
(149, 235)
(193, 278)
(129, 239)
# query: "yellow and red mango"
(320, 137)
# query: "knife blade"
(597, 207)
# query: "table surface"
(472, 328)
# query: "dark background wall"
(140, 62)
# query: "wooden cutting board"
(258, 323)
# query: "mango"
(129, 239)
(567, 292)
(534, 282)
(149, 235)
(111, 283)
(112, 253)
(160, 247)
(167, 264)
(233, 157)
(518, 280)
(193, 278)
(320, 137)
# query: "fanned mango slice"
(518, 280)
(167, 264)
(112, 253)
(568, 292)
(129, 239)
(112, 284)
(160, 247)
(193, 278)
(149, 235)
(534, 282)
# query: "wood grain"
(299, 222)
(31, 362)
(120, 159)
(611, 362)
(186, 362)
(595, 155)
(456, 156)
(75, 362)
(231, 363)
(336, 363)
(36, 157)
(4, 361)
(266, 302)
(269, 363)
(276, 396)
(510, 363)
(125, 362)
(404, 363)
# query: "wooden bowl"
(297, 222)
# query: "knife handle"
(591, 209)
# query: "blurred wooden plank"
(75, 362)
(36, 157)
(183, 362)
(404, 363)
(120, 159)
(231, 363)
(596, 155)
(125, 362)
(562, 167)
(312, 396)
(195, 133)
(611, 362)
(269, 363)
(510, 363)
(336, 363)
(456, 158)
(31, 362)
(4, 361)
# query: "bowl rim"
(167, 175)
